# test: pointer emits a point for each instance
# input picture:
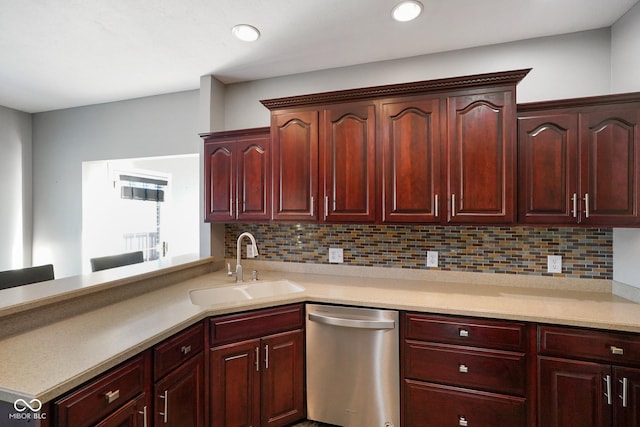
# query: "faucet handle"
(254, 275)
(229, 272)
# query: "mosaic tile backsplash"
(586, 252)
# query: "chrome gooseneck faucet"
(238, 272)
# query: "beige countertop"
(51, 359)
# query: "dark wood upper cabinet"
(295, 165)
(347, 159)
(386, 154)
(609, 155)
(411, 175)
(481, 153)
(578, 161)
(548, 165)
(219, 181)
(237, 175)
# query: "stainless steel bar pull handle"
(257, 359)
(185, 349)
(625, 390)
(463, 333)
(326, 206)
(586, 205)
(607, 381)
(453, 205)
(312, 205)
(352, 323)
(574, 199)
(463, 369)
(231, 207)
(164, 414)
(462, 421)
(436, 206)
(266, 356)
(144, 416)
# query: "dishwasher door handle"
(352, 323)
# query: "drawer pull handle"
(462, 421)
(463, 368)
(617, 350)
(112, 396)
(607, 382)
(625, 386)
(165, 415)
(463, 333)
(185, 349)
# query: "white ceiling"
(64, 53)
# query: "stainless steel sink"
(243, 292)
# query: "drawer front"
(101, 397)
(256, 323)
(493, 370)
(466, 331)
(428, 405)
(171, 353)
(592, 345)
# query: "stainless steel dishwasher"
(353, 377)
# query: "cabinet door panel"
(295, 168)
(481, 158)
(253, 179)
(219, 186)
(179, 397)
(610, 161)
(627, 397)
(235, 385)
(572, 393)
(283, 379)
(349, 163)
(411, 135)
(548, 166)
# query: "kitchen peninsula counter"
(49, 359)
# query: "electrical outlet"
(432, 258)
(336, 255)
(250, 252)
(554, 264)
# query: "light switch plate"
(432, 258)
(554, 264)
(336, 255)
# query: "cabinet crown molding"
(487, 79)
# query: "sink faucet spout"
(239, 275)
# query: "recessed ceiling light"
(407, 11)
(246, 33)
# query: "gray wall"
(564, 66)
(15, 176)
(62, 140)
(625, 63)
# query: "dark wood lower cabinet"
(627, 412)
(179, 397)
(435, 405)
(235, 384)
(572, 393)
(578, 393)
(258, 382)
(283, 378)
